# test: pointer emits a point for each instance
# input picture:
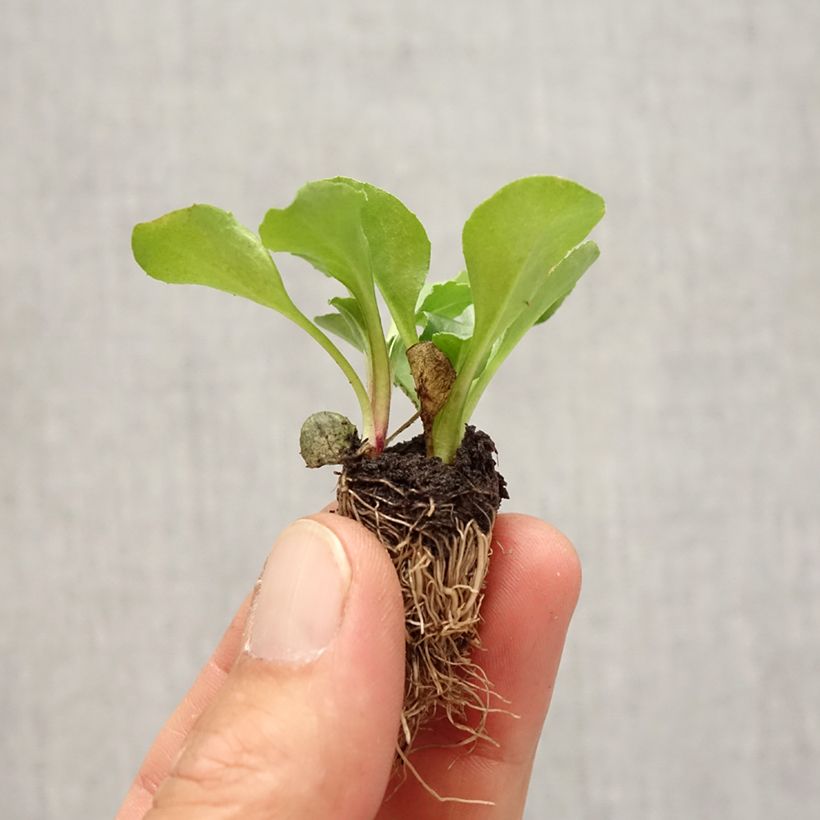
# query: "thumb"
(306, 723)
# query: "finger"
(532, 589)
(305, 723)
(157, 764)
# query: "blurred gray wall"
(668, 419)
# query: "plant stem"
(380, 387)
(448, 429)
(484, 378)
(368, 425)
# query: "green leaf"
(554, 288)
(548, 313)
(511, 243)
(203, 245)
(347, 323)
(550, 296)
(399, 253)
(448, 309)
(516, 237)
(339, 326)
(324, 225)
(448, 299)
(461, 326)
(357, 234)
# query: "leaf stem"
(368, 425)
(448, 429)
(380, 383)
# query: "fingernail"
(300, 596)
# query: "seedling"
(431, 500)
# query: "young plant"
(432, 500)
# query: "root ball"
(436, 522)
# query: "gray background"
(668, 419)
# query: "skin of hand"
(296, 714)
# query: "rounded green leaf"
(517, 236)
(204, 245)
(323, 225)
(399, 253)
(511, 244)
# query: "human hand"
(296, 714)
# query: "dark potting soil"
(402, 482)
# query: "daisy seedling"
(431, 500)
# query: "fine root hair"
(442, 572)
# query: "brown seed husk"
(433, 375)
(436, 521)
